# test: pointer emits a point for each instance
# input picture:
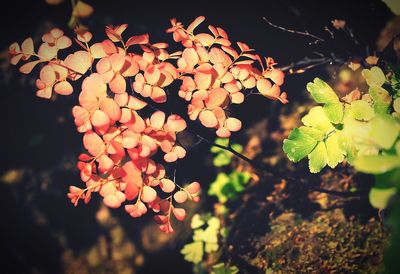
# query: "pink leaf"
(193, 188)
(180, 196)
(175, 123)
(148, 194)
(131, 191)
(208, 119)
(93, 143)
(100, 119)
(158, 95)
(179, 213)
(233, 124)
(167, 185)
(112, 201)
(138, 40)
(105, 164)
(157, 119)
(195, 23)
(110, 107)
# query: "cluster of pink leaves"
(120, 142)
(215, 75)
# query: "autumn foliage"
(120, 78)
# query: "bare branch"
(304, 33)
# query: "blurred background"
(41, 231)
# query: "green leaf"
(374, 76)
(222, 159)
(214, 223)
(384, 131)
(381, 99)
(217, 186)
(334, 112)
(317, 119)
(361, 110)
(347, 146)
(198, 235)
(389, 179)
(193, 252)
(313, 133)
(318, 158)
(380, 197)
(237, 147)
(222, 269)
(322, 92)
(299, 144)
(211, 247)
(220, 141)
(196, 221)
(376, 164)
(334, 151)
(396, 105)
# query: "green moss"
(328, 243)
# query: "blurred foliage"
(221, 268)
(228, 186)
(206, 230)
(223, 157)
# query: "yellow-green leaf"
(380, 197)
(318, 158)
(361, 110)
(374, 76)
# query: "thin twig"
(304, 33)
(272, 172)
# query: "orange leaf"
(47, 52)
(47, 75)
(28, 67)
(97, 51)
(167, 185)
(195, 23)
(157, 119)
(179, 213)
(82, 10)
(79, 62)
(158, 95)
(100, 119)
(180, 196)
(118, 84)
(208, 119)
(205, 39)
(27, 47)
(131, 191)
(63, 88)
(217, 98)
(175, 123)
(148, 194)
(93, 143)
(63, 42)
(110, 107)
(138, 40)
(233, 124)
(105, 164)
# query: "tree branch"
(272, 172)
(304, 33)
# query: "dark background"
(39, 137)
